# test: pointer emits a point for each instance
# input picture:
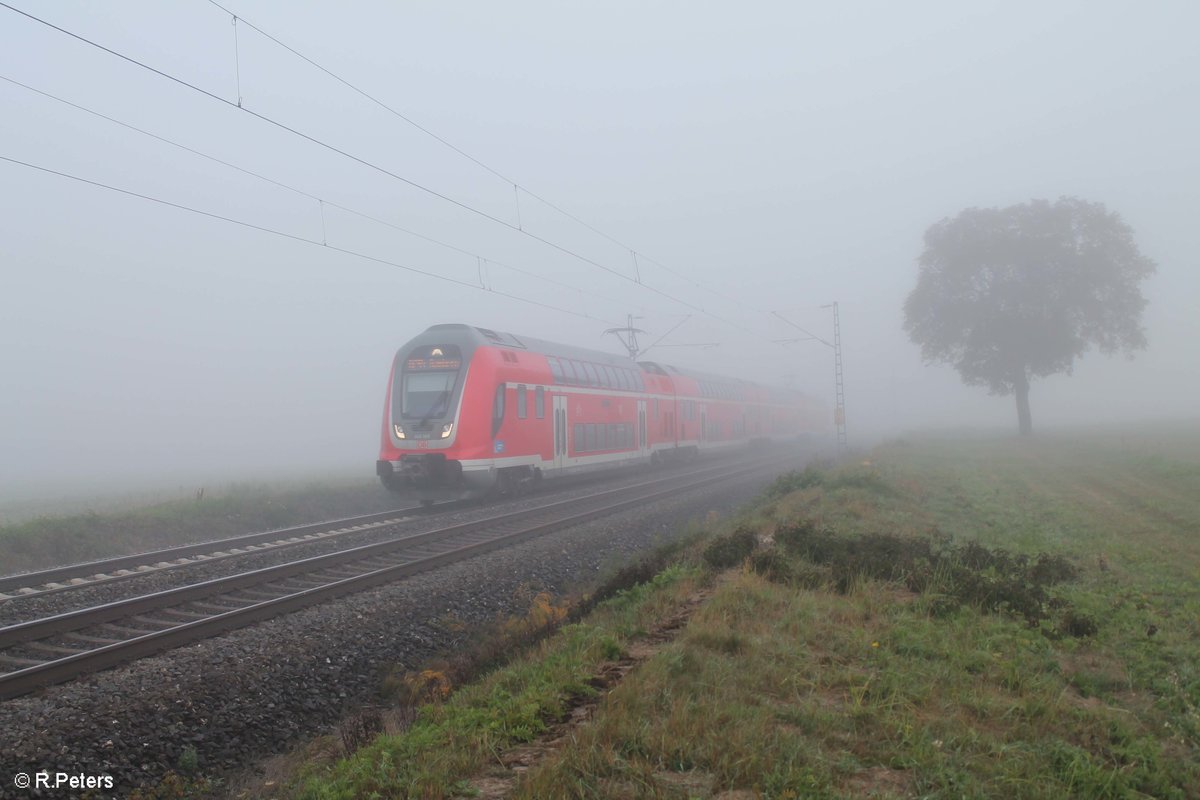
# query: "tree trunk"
(1024, 419)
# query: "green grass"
(913, 627)
(236, 509)
(453, 741)
(790, 686)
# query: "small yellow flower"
(874, 644)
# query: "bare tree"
(1009, 294)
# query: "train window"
(568, 367)
(590, 373)
(579, 443)
(610, 437)
(539, 401)
(613, 382)
(522, 401)
(498, 410)
(638, 383)
(555, 369)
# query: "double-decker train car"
(471, 411)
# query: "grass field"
(56, 539)
(945, 618)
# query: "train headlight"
(446, 429)
(399, 429)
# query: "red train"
(471, 411)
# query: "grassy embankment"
(239, 508)
(863, 653)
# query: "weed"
(1077, 624)
(189, 760)
(730, 549)
(794, 481)
(866, 479)
(992, 579)
(360, 729)
(773, 565)
(725, 642)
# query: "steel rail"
(120, 609)
(153, 558)
(22, 681)
(56, 580)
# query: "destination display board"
(438, 358)
(434, 363)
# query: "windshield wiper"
(433, 409)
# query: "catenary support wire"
(289, 236)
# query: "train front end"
(427, 427)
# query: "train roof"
(715, 385)
(486, 337)
(470, 336)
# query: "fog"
(775, 158)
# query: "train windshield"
(428, 382)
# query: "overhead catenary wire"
(517, 187)
(295, 238)
(364, 162)
(319, 200)
(808, 333)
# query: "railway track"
(72, 577)
(76, 576)
(65, 646)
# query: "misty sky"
(775, 157)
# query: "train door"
(703, 422)
(643, 446)
(560, 429)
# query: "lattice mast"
(839, 412)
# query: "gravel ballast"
(253, 692)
